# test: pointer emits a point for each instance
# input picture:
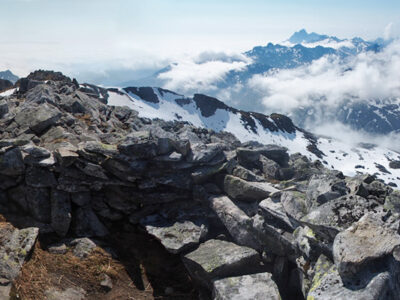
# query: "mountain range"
(305, 53)
(8, 75)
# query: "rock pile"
(248, 220)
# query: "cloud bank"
(203, 73)
(328, 81)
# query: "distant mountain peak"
(8, 75)
(303, 36)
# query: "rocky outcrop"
(245, 219)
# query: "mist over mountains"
(315, 79)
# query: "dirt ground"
(142, 270)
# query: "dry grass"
(86, 118)
(45, 270)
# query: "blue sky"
(95, 34)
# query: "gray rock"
(60, 212)
(176, 236)
(273, 211)
(66, 155)
(245, 174)
(40, 177)
(357, 187)
(239, 225)
(81, 199)
(394, 164)
(378, 189)
(172, 157)
(269, 167)
(35, 152)
(392, 201)
(12, 163)
(365, 242)
(325, 187)
(83, 247)
(68, 294)
(274, 239)
(139, 144)
(87, 224)
(106, 283)
(256, 286)
(16, 246)
(93, 170)
(249, 158)
(38, 118)
(338, 214)
(205, 173)
(295, 204)
(202, 153)
(239, 189)
(327, 284)
(218, 259)
(38, 203)
(60, 248)
(3, 108)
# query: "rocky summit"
(99, 203)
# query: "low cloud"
(354, 138)
(329, 81)
(203, 73)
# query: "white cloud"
(203, 72)
(328, 81)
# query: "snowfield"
(337, 155)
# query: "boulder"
(15, 247)
(3, 108)
(365, 243)
(249, 157)
(66, 154)
(392, 201)
(38, 118)
(12, 163)
(255, 286)
(273, 239)
(273, 211)
(139, 144)
(206, 153)
(178, 236)
(245, 174)
(338, 214)
(239, 225)
(219, 259)
(295, 204)
(325, 187)
(83, 247)
(327, 284)
(242, 190)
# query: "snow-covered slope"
(204, 111)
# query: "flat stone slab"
(239, 189)
(176, 236)
(256, 287)
(219, 259)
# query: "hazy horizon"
(92, 38)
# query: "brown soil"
(144, 270)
